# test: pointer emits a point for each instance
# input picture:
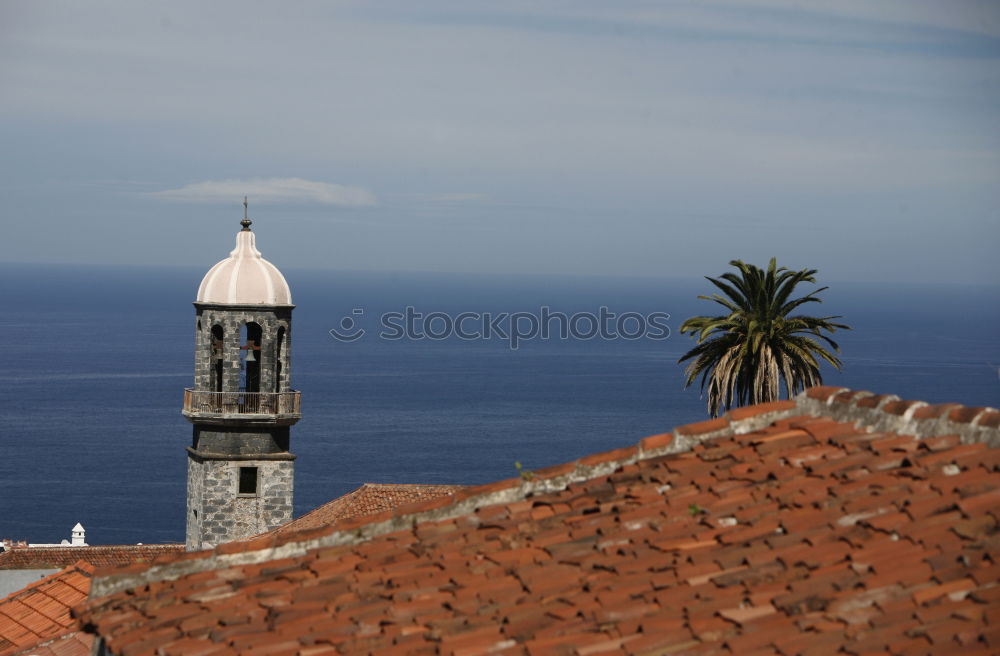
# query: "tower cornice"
(239, 457)
(249, 307)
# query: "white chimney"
(79, 538)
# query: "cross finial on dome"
(245, 222)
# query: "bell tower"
(240, 469)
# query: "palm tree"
(744, 356)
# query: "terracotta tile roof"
(369, 499)
(809, 526)
(40, 613)
(104, 556)
(75, 643)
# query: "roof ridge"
(399, 485)
(88, 548)
(888, 414)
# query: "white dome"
(244, 278)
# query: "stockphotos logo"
(512, 327)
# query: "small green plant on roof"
(744, 355)
(694, 510)
(525, 474)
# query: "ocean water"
(96, 360)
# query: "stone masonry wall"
(217, 513)
(195, 485)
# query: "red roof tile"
(369, 499)
(824, 392)
(104, 556)
(74, 643)
(808, 535)
(37, 618)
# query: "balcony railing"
(197, 402)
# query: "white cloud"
(270, 190)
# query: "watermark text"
(512, 327)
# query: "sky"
(625, 138)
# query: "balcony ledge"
(242, 408)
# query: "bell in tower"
(240, 469)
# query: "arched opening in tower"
(250, 355)
(217, 354)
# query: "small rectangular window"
(248, 480)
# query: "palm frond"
(748, 355)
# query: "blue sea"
(96, 358)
